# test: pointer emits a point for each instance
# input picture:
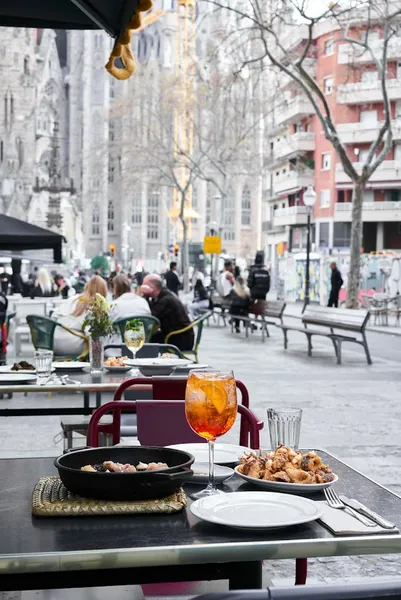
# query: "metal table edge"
(84, 387)
(200, 554)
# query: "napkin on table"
(340, 522)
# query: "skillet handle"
(171, 476)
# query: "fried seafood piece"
(311, 462)
(298, 475)
(156, 466)
(256, 469)
(88, 468)
(116, 467)
(267, 475)
(281, 476)
(322, 477)
(279, 461)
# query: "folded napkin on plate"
(340, 522)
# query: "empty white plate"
(289, 488)
(256, 510)
(73, 365)
(201, 473)
(224, 454)
(16, 378)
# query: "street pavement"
(351, 410)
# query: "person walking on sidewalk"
(172, 279)
(259, 285)
(336, 283)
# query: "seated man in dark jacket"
(169, 310)
(259, 284)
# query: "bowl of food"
(124, 472)
(286, 470)
(117, 364)
(150, 367)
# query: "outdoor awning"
(110, 15)
(16, 235)
(294, 190)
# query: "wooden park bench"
(343, 326)
(273, 315)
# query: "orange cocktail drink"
(211, 409)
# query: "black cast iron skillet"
(124, 486)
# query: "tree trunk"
(354, 276)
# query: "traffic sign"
(212, 244)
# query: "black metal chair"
(390, 590)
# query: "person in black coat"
(336, 283)
(259, 284)
(172, 281)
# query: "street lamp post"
(309, 202)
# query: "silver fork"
(334, 501)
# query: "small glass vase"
(96, 355)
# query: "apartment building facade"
(300, 155)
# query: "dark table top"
(30, 544)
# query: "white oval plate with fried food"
(301, 489)
(118, 369)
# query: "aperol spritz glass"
(211, 409)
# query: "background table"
(45, 553)
(105, 382)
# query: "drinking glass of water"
(43, 364)
(284, 426)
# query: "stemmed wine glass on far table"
(211, 410)
(134, 335)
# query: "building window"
(324, 235)
(137, 208)
(112, 169)
(98, 41)
(26, 65)
(229, 216)
(342, 235)
(324, 198)
(95, 219)
(326, 161)
(328, 85)
(110, 216)
(20, 151)
(246, 206)
(1, 151)
(153, 215)
(329, 47)
(369, 76)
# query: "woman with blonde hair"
(44, 287)
(72, 314)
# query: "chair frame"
(161, 348)
(197, 323)
(82, 356)
(117, 407)
(165, 388)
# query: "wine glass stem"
(210, 485)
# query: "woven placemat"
(51, 499)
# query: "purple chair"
(152, 417)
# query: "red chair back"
(163, 423)
(167, 388)
(156, 411)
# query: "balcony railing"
(364, 92)
(353, 133)
(293, 111)
(388, 171)
(291, 215)
(293, 179)
(371, 211)
(303, 141)
(352, 54)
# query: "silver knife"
(364, 510)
